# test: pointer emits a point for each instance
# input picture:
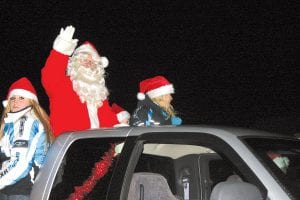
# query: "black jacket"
(148, 113)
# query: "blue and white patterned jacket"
(23, 150)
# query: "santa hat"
(155, 87)
(88, 48)
(21, 87)
(120, 112)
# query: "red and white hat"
(155, 87)
(120, 112)
(89, 48)
(21, 87)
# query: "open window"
(191, 166)
(282, 158)
(78, 166)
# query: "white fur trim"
(140, 96)
(87, 49)
(93, 115)
(104, 61)
(4, 103)
(23, 93)
(123, 115)
(166, 89)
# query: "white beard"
(88, 84)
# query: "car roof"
(228, 134)
(136, 131)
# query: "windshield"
(282, 158)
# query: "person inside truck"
(281, 162)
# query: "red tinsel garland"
(100, 169)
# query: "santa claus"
(74, 82)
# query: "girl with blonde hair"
(154, 106)
(25, 137)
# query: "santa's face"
(84, 66)
(87, 75)
(86, 60)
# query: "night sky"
(231, 64)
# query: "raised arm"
(54, 71)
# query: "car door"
(78, 167)
(177, 160)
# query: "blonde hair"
(168, 108)
(39, 112)
(4, 113)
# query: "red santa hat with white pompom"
(21, 87)
(155, 87)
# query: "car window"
(85, 160)
(282, 159)
(189, 171)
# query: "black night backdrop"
(231, 63)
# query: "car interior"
(187, 172)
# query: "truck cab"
(186, 162)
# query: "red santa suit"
(67, 111)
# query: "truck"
(191, 162)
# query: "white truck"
(185, 162)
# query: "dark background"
(231, 63)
